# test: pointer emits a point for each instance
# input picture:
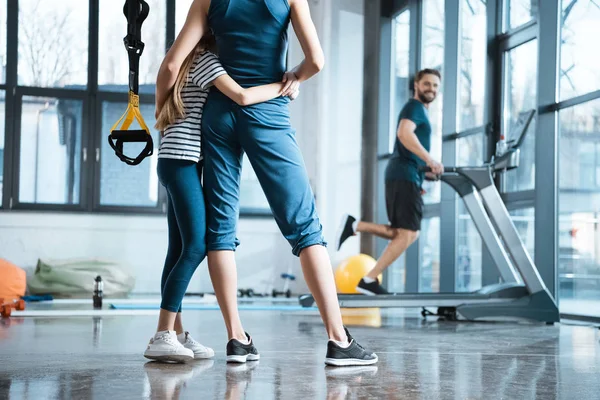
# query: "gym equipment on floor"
(6, 308)
(350, 271)
(522, 293)
(213, 307)
(136, 12)
(286, 286)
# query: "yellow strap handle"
(132, 112)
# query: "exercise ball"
(351, 271)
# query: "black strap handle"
(136, 12)
(117, 138)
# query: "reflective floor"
(101, 358)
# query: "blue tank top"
(251, 38)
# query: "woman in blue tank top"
(252, 40)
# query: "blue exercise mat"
(264, 307)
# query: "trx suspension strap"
(136, 11)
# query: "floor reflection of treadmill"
(522, 293)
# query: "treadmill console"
(515, 138)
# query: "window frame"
(506, 28)
(92, 136)
(544, 199)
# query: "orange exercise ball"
(351, 271)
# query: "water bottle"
(501, 146)
(98, 288)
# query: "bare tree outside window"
(113, 61)
(472, 57)
(53, 43)
(580, 28)
(433, 57)
(519, 12)
(400, 79)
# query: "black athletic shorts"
(404, 204)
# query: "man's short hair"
(427, 71)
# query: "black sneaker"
(352, 355)
(370, 289)
(345, 230)
(237, 352)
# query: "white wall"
(327, 117)
(139, 243)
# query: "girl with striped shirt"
(180, 171)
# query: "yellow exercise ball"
(351, 271)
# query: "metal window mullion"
(170, 28)
(546, 147)
(55, 93)
(448, 207)
(493, 111)
(518, 37)
(89, 164)
(10, 132)
(373, 31)
(574, 101)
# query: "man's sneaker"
(239, 352)
(200, 351)
(346, 229)
(352, 355)
(164, 346)
(370, 289)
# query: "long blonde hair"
(174, 109)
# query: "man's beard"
(423, 97)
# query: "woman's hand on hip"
(295, 95)
(291, 84)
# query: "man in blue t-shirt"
(403, 182)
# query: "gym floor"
(101, 358)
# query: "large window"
(580, 28)
(61, 158)
(50, 150)
(472, 58)
(579, 209)
(53, 43)
(113, 62)
(519, 12)
(470, 152)
(120, 184)
(579, 162)
(181, 11)
(429, 253)
(520, 95)
(524, 221)
(433, 57)
(396, 282)
(400, 92)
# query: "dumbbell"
(287, 293)
(6, 308)
(245, 292)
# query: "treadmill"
(522, 293)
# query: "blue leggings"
(186, 217)
(264, 132)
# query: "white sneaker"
(200, 351)
(167, 381)
(164, 346)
